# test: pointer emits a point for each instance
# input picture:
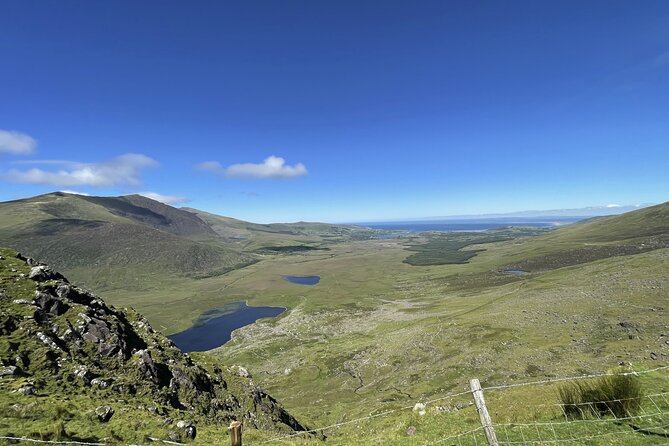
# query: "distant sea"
(413, 227)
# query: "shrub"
(618, 395)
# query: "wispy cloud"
(273, 167)
(211, 166)
(167, 199)
(122, 170)
(16, 143)
(74, 192)
(613, 206)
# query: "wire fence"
(592, 422)
(553, 426)
(585, 423)
(638, 419)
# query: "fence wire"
(557, 426)
(542, 432)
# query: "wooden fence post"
(477, 392)
(235, 433)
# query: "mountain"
(133, 233)
(590, 211)
(74, 368)
(134, 242)
(540, 215)
(153, 213)
(646, 222)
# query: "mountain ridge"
(583, 213)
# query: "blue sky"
(338, 110)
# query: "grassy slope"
(602, 237)
(116, 243)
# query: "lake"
(214, 328)
(414, 227)
(303, 280)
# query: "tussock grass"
(618, 395)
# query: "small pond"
(214, 328)
(303, 280)
(518, 272)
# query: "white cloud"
(16, 143)
(74, 192)
(273, 167)
(211, 166)
(166, 199)
(122, 170)
(613, 206)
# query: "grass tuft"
(618, 395)
(59, 432)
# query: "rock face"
(104, 413)
(67, 339)
(50, 305)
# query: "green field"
(444, 248)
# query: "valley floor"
(377, 334)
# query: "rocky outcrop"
(60, 338)
(47, 303)
(41, 273)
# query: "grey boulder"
(104, 413)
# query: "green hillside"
(598, 238)
(646, 222)
(153, 213)
(75, 369)
(76, 233)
